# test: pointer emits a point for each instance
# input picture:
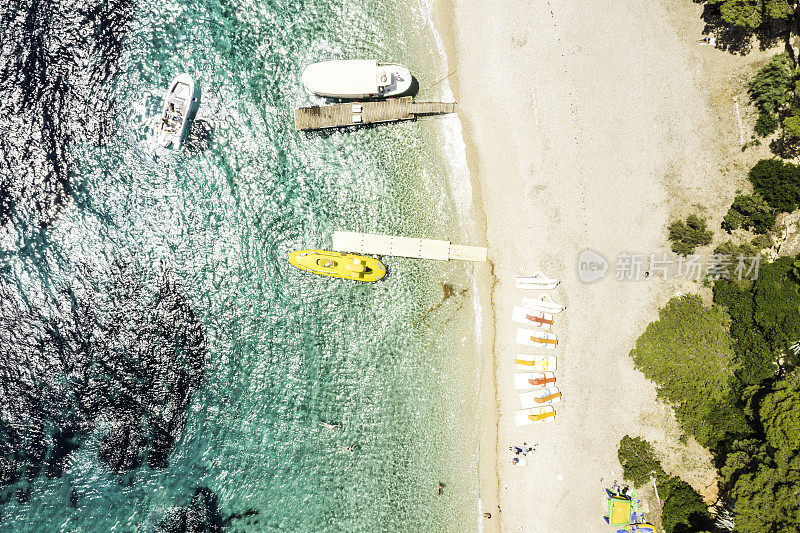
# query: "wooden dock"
(373, 112)
(349, 241)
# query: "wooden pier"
(349, 241)
(373, 112)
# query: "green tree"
(638, 460)
(778, 183)
(768, 499)
(683, 510)
(752, 14)
(777, 306)
(688, 353)
(779, 412)
(750, 212)
(766, 124)
(756, 361)
(686, 236)
(771, 87)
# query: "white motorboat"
(356, 78)
(175, 115)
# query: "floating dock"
(373, 112)
(366, 243)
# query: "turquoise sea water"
(391, 364)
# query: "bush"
(638, 460)
(761, 242)
(753, 213)
(778, 183)
(732, 220)
(766, 124)
(686, 236)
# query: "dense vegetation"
(731, 372)
(683, 508)
(754, 14)
(686, 236)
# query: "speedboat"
(174, 125)
(356, 78)
(338, 265)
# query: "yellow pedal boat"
(338, 265)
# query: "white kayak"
(538, 398)
(537, 339)
(529, 317)
(356, 78)
(526, 417)
(533, 380)
(543, 303)
(537, 281)
(173, 126)
(542, 363)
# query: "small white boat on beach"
(526, 417)
(537, 398)
(171, 131)
(537, 281)
(356, 78)
(537, 339)
(533, 380)
(543, 303)
(541, 363)
(529, 317)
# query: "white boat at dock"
(356, 78)
(173, 127)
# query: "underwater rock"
(200, 516)
(57, 63)
(121, 350)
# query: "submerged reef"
(118, 353)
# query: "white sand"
(586, 127)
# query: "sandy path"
(580, 119)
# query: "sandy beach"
(588, 126)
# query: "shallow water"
(155, 344)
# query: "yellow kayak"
(338, 265)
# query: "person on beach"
(440, 489)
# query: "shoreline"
(485, 283)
